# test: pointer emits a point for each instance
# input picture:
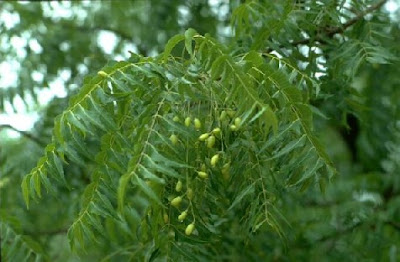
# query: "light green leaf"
(25, 190)
(170, 45)
(123, 183)
(218, 67)
(188, 39)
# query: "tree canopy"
(202, 131)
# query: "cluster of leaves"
(152, 177)
(137, 166)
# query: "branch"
(330, 32)
(25, 134)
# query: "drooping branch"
(24, 134)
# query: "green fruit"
(222, 117)
(188, 120)
(211, 142)
(197, 123)
(189, 193)
(231, 113)
(233, 127)
(238, 121)
(176, 201)
(202, 174)
(216, 131)
(176, 119)
(214, 160)
(102, 74)
(182, 216)
(225, 171)
(166, 218)
(174, 139)
(178, 186)
(204, 136)
(189, 229)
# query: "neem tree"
(190, 153)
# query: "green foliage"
(222, 149)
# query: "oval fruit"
(176, 119)
(166, 218)
(188, 120)
(211, 141)
(174, 139)
(182, 216)
(178, 186)
(189, 193)
(197, 123)
(225, 171)
(176, 201)
(204, 136)
(102, 74)
(233, 127)
(231, 112)
(216, 131)
(222, 117)
(202, 174)
(189, 229)
(238, 121)
(214, 160)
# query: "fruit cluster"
(212, 142)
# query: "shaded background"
(47, 48)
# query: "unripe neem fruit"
(197, 123)
(222, 116)
(182, 216)
(214, 160)
(178, 186)
(210, 141)
(216, 131)
(174, 139)
(176, 201)
(225, 171)
(102, 74)
(176, 119)
(238, 121)
(204, 136)
(202, 174)
(231, 112)
(188, 120)
(189, 229)
(189, 193)
(166, 218)
(233, 127)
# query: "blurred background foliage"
(51, 46)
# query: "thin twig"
(330, 32)
(23, 133)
